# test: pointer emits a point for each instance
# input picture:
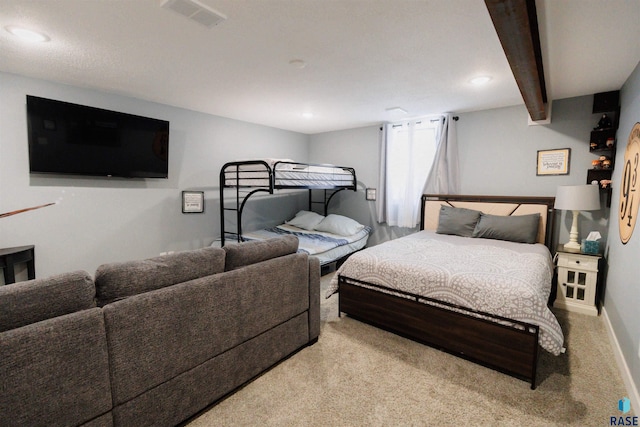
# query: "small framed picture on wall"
(192, 201)
(553, 162)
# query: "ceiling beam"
(516, 23)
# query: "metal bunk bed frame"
(257, 176)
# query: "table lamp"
(577, 198)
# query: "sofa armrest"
(255, 251)
(314, 298)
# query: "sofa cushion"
(154, 337)
(119, 280)
(55, 372)
(239, 255)
(23, 303)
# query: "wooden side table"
(9, 257)
(577, 281)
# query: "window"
(410, 150)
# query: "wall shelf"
(602, 141)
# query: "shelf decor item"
(577, 198)
(553, 162)
(603, 123)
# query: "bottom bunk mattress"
(328, 247)
(507, 279)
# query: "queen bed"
(475, 281)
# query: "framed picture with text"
(553, 162)
(192, 201)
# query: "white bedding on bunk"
(289, 173)
(327, 247)
(508, 279)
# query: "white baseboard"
(634, 397)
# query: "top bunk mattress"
(286, 174)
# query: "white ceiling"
(362, 56)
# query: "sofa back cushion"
(156, 336)
(23, 303)
(239, 255)
(55, 372)
(120, 280)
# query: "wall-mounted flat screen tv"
(67, 138)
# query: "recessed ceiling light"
(480, 80)
(298, 63)
(307, 115)
(396, 110)
(26, 34)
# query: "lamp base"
(573, 235)
(572, 245)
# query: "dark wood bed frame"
(511, 348)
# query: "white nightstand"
(577, 281)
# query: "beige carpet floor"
(358, 375)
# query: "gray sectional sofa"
(152, 342)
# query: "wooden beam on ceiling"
(516, 23)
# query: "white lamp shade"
(578, 198)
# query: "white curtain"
(415, 157)
(381, 202)
(444, 177)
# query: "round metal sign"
(629, 194)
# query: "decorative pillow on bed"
(306, 220)
(516, 228)
(338, 224)
(457, 221)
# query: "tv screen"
(67, 138)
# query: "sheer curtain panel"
(407, 153)
(444, 177)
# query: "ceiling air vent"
(195, 11)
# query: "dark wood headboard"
(493, 205)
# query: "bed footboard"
(509, 348)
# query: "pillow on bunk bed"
(306, 220)
(338, 224)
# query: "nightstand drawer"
(576, 261)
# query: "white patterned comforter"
(507, 279)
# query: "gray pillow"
(516, 228)
(457, 221)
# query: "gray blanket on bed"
(507, 279)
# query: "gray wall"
(498, 152)
(99, 220)
(498, 155)
(622, 297)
